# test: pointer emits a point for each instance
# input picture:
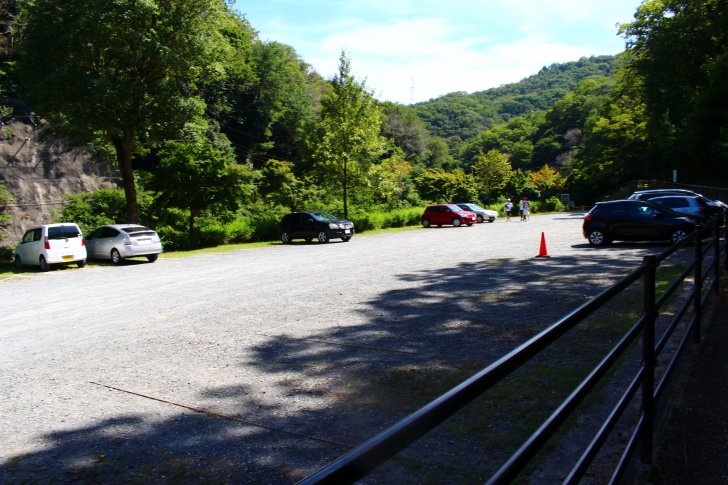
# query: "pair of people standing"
(524, 207)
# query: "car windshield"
(475, 207)
(455, 208)
(323, 216)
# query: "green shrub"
(375, 220)
(552, 204)
(173, 238)
(240, 230)
(6, 254)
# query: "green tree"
(406, 130)
(438, 185)
(678, 57)
(389, 179)
(265, 112)
(437, 154)
(200, 176)
(279, 185)
(492, 170)
(547, 181)
(348, 135)
(122, 72)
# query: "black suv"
(634, 220)
(319, 225)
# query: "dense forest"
(216, 133)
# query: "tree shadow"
(342, 385)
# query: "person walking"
(509, 208)
(520, 206)
(526, 209)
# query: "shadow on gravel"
(348, 383)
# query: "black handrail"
(363, 459)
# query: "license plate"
(143, 242)
(346, 231)
(67, 258)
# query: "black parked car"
(634, 220)
(319, 225)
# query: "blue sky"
(414, 50)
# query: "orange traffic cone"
(543, 253)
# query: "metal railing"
(704, 267)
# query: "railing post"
(698, 284)
(648, 357)
(725, 237)
(716, 242)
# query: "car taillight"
(588, 217)
(83, 242)
(47, 243)
(127, 241)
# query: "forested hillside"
(215, 133)
(460, 116)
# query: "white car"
(118, 242)
(51, 244)
(481, 213)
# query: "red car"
(440, 214)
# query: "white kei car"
(51, 244)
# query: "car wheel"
(597, 238)
(81, 264)
(18, 263)
(480, 219)
(152, 257)
(322, 237)
(346, 239)
(44, 266)
(425, 223)
(285, 238)
(456, 222)
(678, 235)
(116, 257)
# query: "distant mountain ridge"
(460, 116)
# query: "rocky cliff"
(40, 172)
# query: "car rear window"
(63, 232)
(137, 229)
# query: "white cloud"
(420, 59)
(414, 51)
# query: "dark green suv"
(319, 225)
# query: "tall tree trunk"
(193, 215)
(346, 194)
(123, 148)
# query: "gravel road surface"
(261, 365)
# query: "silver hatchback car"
(118, 242)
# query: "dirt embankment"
(41, 171)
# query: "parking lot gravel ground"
(261, 365)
